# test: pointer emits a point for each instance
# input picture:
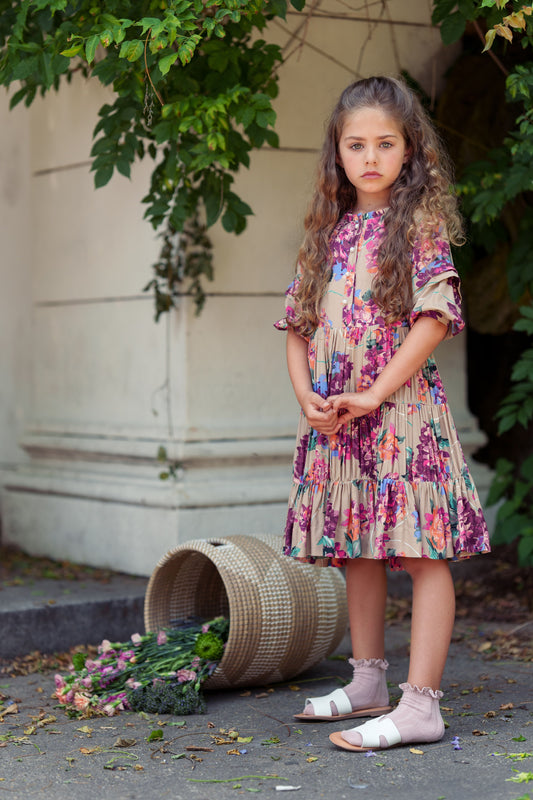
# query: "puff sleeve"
(290, 306)
(436, 284)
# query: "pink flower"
(136, 638)
(81, 701)
(132, 684)
(161, 637)
(87, 682)
(59, 682)
(184, 675)
(195, 662)
(109, 710)
(105, 647)
(205, 628)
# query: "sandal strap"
(372, 730)
(322, 707)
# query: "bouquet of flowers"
(161, 673)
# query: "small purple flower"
(369, 753)
(455, 742)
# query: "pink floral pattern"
(394, 483)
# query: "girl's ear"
(407, 155)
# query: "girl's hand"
(350, 405)
(320, 413)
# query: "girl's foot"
(366, 696)
(417, 719)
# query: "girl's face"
(372, 152)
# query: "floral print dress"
(395, 482)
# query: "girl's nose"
(370, 157)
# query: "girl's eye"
(386, 145)
(357, 146)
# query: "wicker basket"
(284, 616)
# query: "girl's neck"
(366, 203)
(362, 207)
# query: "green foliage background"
(193, 85)
(497, 197)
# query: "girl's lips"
(371, 175)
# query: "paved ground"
(488, 704)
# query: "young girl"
(379, 474)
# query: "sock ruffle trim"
(378, 663)
(436, 694)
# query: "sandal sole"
(365, 712)
(337, 739)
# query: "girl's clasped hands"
(328, 415)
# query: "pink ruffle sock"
(417, 718)
(368, 687)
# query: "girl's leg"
(366, 590)
(433, 615)
(417, 717)
(366, 587)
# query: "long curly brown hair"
(421, 202)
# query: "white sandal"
(323, 712)
(371, 733)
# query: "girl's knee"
(424, 566)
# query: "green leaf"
(166, 62)
(155, 735)
(441, 9)
(90, 47)
(17, 97)
(131, 50)
(102, 176)
(452, 28)
(72, 51)
(229, 221)
(124, 167)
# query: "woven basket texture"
(284, 616)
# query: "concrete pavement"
(488, 705)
